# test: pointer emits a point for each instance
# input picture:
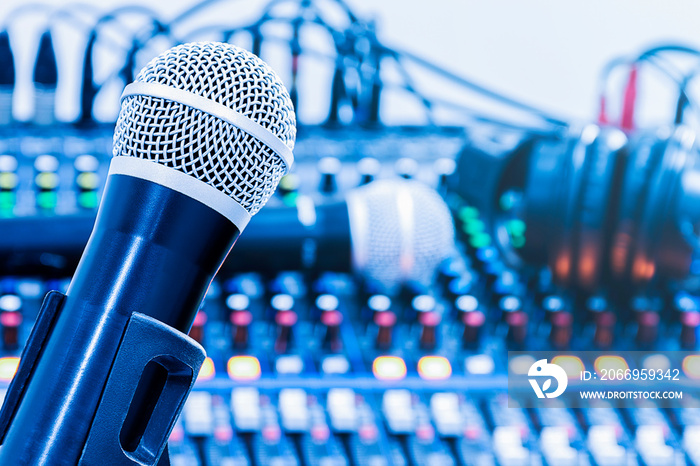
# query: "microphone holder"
(145, 341)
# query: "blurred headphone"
(599, 206)
(601, 209)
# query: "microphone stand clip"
(146, 341)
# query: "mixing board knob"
(406, 167)
(241, 321)
(288, 188)
(552, 304)
(517, 329)
(240, 318)
(647, 327)
(237, 302)
(369, 168)
(493, 272)
(285, 318)
(293, 409)
(342, 410)
(507, 283)
(197, 330)
(466, 303)
(560, 334)
(516, 319)
(690, 320)
(320, 446)
(603, 446)
(331, 320)
(423, 303)
(86, 163)
(271, 446)
(461, 285)
(555, 446)
(377, 303)
(397, 406)
(486, 255)
(10, 320)
(508, 305)
(326, 302)
(197, 414)
(691, 442)
(245, 405)
(282, 302)
(445, 411)
(428, 337)
(87, 180)
(604, 329)
(444, 167)
(8, 183)
(46, 181)
(287, 285)
(473, 324)
(689, 316)
(450, 269)
(285, 322)
(596, 304)
(508, 446)
(406, 297)
(651, 444)
(420, 303)
(385, 322)
(329, 167)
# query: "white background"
(545, 52)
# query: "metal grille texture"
(202, 145)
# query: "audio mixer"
(322, 367)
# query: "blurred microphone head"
(401, 230)
(215, 112)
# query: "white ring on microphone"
(183, 183)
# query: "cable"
(90, 89)
(21, 10)
(69, 12)
(345, 43)
(474, 115)
(189, 12)
(654, 57)
(479, 88)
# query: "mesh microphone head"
(401, 231)
(199, 143)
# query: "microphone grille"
(402, 230)
(203, 145)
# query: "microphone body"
(153, 250)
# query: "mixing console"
(324, 368)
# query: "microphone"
(390, 231)
(203, 137)
(401, 231)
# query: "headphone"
(602, 209)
